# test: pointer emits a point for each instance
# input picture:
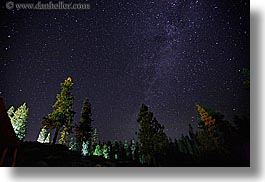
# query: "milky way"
(166, 54)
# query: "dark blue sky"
(166, 54)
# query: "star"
(166, 54)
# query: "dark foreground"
(34, 154)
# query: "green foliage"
(105, 151)
(64, 136)
(126, 149)
(63, 113)
(73, 145)
(97, 151)
(48, 138)
(19, 120)
(42, 135)
(133, 149)
(151, 136)
(85, 150)
(11, 112)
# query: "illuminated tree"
(216, 134)
(105, 151)
(205, 118)
(85, 150)
(64, 135)
(42, 135)
(83, 131)
(115, 150)
(133, 150)
(11, 112)
(19, 120)
(97, 151)
(47, 140)
(62, 116)
(127, 149)
(151, 135)
(73, 145)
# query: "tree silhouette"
(94, 138)
(83, 131)
(151, 135)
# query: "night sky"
(168, 54)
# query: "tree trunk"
(55, 136)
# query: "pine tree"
(206, 119)
(105, 151)
(47, 140)
(73, 145)
(115, 149)
(127, 150)
(193, 141)
(42, 135)
(19, 120)
(11, 112)
(97, 151)
(191, 132)
(133, 150)
(95, 137)
(160, 138)
(83, 131)
(85, 150)
(151, 135)
(216, 134)
(62, 116)
(145, 133)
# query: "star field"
(167, 54)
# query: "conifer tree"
(47, 140)
(42, 135)
(95, 137)
(193, 141)
(133, 149)
(11, 112)
(105, 151)
(205, 118)
(73, 145)
(19, 120)
(62, 116)
(160, 138)
(216, 133)
(97, 151)
(85, 150)
(151, 136)
(83, 131)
